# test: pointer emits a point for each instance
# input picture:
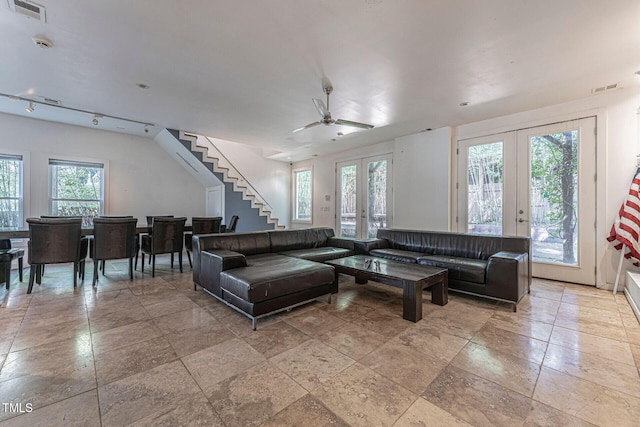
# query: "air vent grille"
(29, 9)
(51, 101)
(606, 88)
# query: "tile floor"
(156, 352)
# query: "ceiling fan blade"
(322, 109)
(353, 124)
(310, 125)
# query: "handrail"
(232, 167)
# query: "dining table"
(23, 233)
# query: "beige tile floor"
(156, 352)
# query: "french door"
(363, 196)
(536, 182)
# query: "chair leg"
(171, 260)
(20, 267)
(189, 257)
(32, 276)
(75, 274)
(131, 268)
(103, 265)
(136, 263)
(7, 273)
(39, 273)
(95, 272)
(153, 265)
(180, 260)
(142, 263)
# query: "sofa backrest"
(245, 243)
(303, 238)
(453, 244)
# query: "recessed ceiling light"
(142, 86)
(464, 104)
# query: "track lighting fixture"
(56, 104)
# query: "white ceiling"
(246, 70)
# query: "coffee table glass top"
(388, 268)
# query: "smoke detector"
(42, 42)
(28, 9)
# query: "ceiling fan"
(325, 114)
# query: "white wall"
(421, 170)
(271, 178)
(618, 143)
(142, 178)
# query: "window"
(76, 189)
(11, 185)
(302, 195)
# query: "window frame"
(76, 161)
(23, 178)
(294, 197)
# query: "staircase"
(206, 152)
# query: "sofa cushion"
(397, 254)
(466, 269)
(269, 276)
(319, 254)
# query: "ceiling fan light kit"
(325, 114)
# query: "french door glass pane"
(377, 197)
(485, 171)
(554, 197)
(348, 200)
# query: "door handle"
(522, 220)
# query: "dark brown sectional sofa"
(265, 272)
(497, 267)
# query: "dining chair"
(201, 225)
(137, 237)
(84, 244)
(7, 255)
(113, 238)
(231, 228)
(53, 241)
(166, 238)
(150, 229)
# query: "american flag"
(625, 231)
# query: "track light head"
(95, 120)
(30, 108)
(146, 128)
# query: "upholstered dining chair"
(201, 225)
(53, 241)
(84, 244)
(231, 228)
(7, 255)
(150, 229)
(166, 238)
(113, 238)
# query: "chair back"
(5, 244)
(54, 240)
(114, 238)
(167, 234)
(206, 225)
(232, 224)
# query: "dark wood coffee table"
(411, 278)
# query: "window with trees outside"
(11, 195)
(302, 195)
(76, 189)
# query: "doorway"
(363, 196)
(537, 182)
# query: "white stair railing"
(221, 164)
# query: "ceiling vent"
(607, 88)
(29, 9)
(51, 101)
